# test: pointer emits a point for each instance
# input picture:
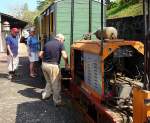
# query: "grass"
(129, 9)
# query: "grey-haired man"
(51, 55)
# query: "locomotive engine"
(103, 82)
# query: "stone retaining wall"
(131, 28)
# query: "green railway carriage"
(73, 18)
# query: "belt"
(55, 63)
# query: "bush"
(111, 5)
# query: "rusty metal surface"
(147, 43)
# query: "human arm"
(41, 53)
(28, 46)
(8, 43)
(65, 57)
(9, 50)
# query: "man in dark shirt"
(51, 55)
(12, 52)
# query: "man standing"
(51, 54)
(12, 52)
(33, 50)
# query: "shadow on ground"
(46, 112)
(38, 111)
(3, 61)
(30, 93)
(3, 75)
(23, 75)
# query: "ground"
(20, 100)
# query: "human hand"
(11, 54)
(41, 54)
(67, 66)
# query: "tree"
(22, 12)
(111, 4)
(25, 7)
(28, 15)
(16, 11)
(121, 2)
(43, 4)
(107, 2)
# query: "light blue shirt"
(33, 43)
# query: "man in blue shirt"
(51, 54)
(33, 49)
(12, 52)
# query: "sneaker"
(10, 77)
(44, 96)
(32, 76)
(14, 76)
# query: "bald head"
(60, 37)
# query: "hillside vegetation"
(125, 10)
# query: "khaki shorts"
(33, 57)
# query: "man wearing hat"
(12, 52)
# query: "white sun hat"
(32, 29)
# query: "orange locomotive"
(103, 82)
